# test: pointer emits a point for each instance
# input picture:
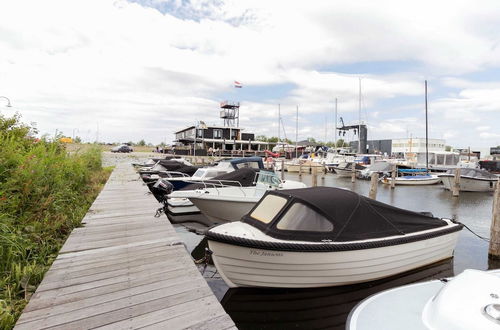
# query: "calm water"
(327, 308)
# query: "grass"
(44, 193)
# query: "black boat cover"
(354, 217)
(245, 176)
(171, 165)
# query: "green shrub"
(44, 193)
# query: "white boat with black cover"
(323, 236)
(468, 301)
(471, 179)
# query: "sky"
(119, 71)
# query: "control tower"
(230, 112)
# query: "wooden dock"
(124, 269)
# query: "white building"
(416, 145)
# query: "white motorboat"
(229, 203)
(471, 179)
(468, 301)
(322, 236)
(414, 180)
(383, 168)
(177, 205)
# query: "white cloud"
(139, 73)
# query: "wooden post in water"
(456, 183)
(202, 161)
(494, 250)
(353, 172)
(314, 176)
(300, 170)
(282, 169)
(373, 185)
(393, 176)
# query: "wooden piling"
(393, 176)
(353, 172)
(494, 250)
(202, 161)
(282, 169)
(300, 170)
(456, 183)
(314, 176)
(373, 185)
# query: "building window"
(199, 133)
(217, 133)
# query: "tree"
(341, 143)
(261, 138)
(141, 143)
(311, 139)
(447, 148)
(77, 139)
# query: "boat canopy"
(474, 173)
(253, 162)
(326, 214)
(412, 170)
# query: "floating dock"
(124, 269)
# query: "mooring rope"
(466, 227)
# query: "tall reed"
(44, 194)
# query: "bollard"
(300, 170)
(393, 176)
(373, 185)
(494, 250)
(314, 177)
(353, 172)
(455, 191)
(282, 170)
(203, 161)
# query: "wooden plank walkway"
(124, 269)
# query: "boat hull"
(413, 182)
(344, 173)
(298, 168)
(242, 266)
(469, 184)
(221, 211)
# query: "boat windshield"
(248, 165)
(268, 178)
(268, 208)
(301, 217)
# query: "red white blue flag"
(237, 84)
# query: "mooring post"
(393, 176)
(300, 170)
(314, 176)
(494, 250)
(282, 169)
(456, 183)
(373, 185)
(353, 172)
(202, 161)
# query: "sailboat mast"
(279, 128)
(426, 132)
(296, 131)
(359, 119)
(335, 124)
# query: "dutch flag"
(237, 84)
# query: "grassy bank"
(44, 193)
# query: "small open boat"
(323, 236)
(413, 177)
(468, 301)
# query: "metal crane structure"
(358, 129)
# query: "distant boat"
(471, 179)
(344, 170)
(468, 301)
(418, 177)
(323, 236)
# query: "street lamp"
(8, 101)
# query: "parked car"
(122, 148)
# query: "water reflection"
(320, 308)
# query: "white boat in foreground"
(468, 301)
(322, 236)
(413, 180)
(471, 179)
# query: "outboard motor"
(161, 189)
